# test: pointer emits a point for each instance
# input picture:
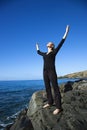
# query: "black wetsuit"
(50, 76)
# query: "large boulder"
(74, 104)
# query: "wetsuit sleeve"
(40, 53)
(59, 46)
(62, 41)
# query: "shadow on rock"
(68, 86)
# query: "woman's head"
(50, 45)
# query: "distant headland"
(82, 74)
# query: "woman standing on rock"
(49, 73)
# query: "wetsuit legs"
(48, 87)
(57, 95)
(51, 77)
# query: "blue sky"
(25, 22)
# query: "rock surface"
(73, 116)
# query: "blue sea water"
(15, 96)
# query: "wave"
(2, 125)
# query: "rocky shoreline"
(73, 116)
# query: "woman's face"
(50, 45)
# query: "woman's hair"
(51, 45)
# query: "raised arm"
(63, 39)
(38, 50)
(66, 32)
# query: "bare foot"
(56, 111)
(45, 106)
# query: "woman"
(49, 73)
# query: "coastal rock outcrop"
(73, 116)
(74, 104)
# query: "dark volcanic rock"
(73, 116)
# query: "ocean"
(15, 96)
